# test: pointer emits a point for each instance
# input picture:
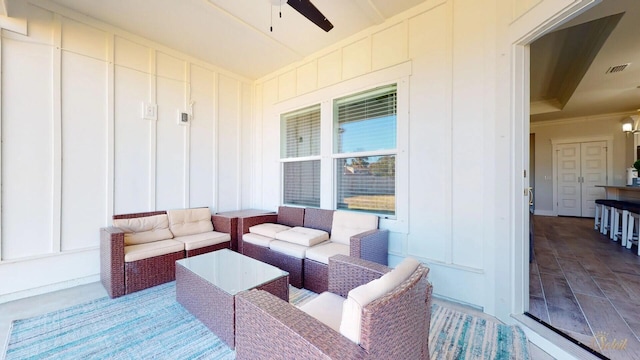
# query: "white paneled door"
(580, 167)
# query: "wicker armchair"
(370, 244)
(394, 326)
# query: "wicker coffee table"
(206, 286)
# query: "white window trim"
(384, 152)
(398, 74)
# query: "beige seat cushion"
(143, 251)
(327, 308)
(190, 221)
(288, 248)
(197, 241)
(144, 229)
(322, 252)
(347, 223)
(303, 236)
(268, 229)
(256, 239)
(361, 296)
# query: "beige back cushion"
(146, 229)
(361, 296)
(189, 221)
(347, 223)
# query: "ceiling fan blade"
(308, 10)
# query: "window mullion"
(327, 195)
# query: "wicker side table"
(230, 219)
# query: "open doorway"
(582, 284)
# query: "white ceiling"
(552, 57)
(235, 34)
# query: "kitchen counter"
(621, 192)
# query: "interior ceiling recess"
(571, 68)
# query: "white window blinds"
(300, 131)
(302, 183)
(366, 123)
(300, 151)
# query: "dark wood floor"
(586, 285)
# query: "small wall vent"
(617, 68)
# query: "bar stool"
(623, 208)
(617, 212)
(607, 218)
(633, 226)
(610, 217)
(597, 221)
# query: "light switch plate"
(149, 111)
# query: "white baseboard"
(48, 288)
(544, 212)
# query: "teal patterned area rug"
(150, 324)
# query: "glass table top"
(230, 271)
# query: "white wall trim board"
(110, 133)
(239, 119)
(1, 232)
(13, 24)
(153, 131)
(216, 142)
(56, 191)
(186, 130)
(579, 120)
(544, 213)
(49, 288)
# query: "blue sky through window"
(367, 135)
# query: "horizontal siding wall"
(76, 148)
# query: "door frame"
(554, 172)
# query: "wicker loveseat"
(301, 240)
(392, 323)
(140, 250)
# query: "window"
(300, 154)
(344, 153)
(364, 129)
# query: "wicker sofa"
(140, 250)
(301, 240)
(392, 323)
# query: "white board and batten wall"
(76, 148)
(462, 210)
(464, 155)
(406, 51)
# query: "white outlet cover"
(149, 111)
